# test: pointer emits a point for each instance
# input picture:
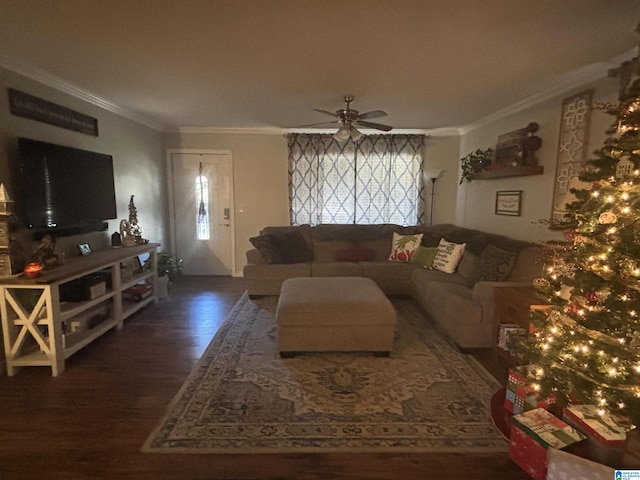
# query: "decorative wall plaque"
(34, 108)
(572, 149)
(509, 203)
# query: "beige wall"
(136, 149)
(260, 166)
(260, 172)
(476, 200)
(442, 153)
(261, 192)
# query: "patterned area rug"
(243, 398)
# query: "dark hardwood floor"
(90, 422)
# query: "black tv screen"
(57, 187)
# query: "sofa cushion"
(421, 276)
(404, 246)
(336, 269)
(424, 256)
(468, 266)
(355, 254)
(380, 246)
(448, 256)
(495, 264)
(326, 250)
(394, 278)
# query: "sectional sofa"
(460, 303)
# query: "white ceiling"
(266, 64)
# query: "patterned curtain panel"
(377, 180)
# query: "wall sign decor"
(572, 150)
(34, 108)
(509, 202)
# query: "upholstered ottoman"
(334, 314)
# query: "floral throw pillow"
(448, 256)
(404, 246)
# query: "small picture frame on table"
(84, 248)
(509, 202)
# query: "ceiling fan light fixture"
(347, 117)
(346, 132)
(355, 134)
(343, 134)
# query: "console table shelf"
(41, 330)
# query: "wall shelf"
(517, 171)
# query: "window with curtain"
(375, 180)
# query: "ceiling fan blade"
(326, 112)
(377, 126)
(372, 114)
(318, 124)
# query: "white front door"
(201, 213)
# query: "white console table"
(36, 325)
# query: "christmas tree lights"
(586, 344)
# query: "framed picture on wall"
(509, 202)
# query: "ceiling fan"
(348, 119)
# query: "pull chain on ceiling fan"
(349, 119)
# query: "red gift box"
(532, 433)
(606, 433)
(520, 398)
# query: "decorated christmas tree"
(134, 226)
(586, 345)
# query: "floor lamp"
(432, 175)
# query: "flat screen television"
(62, 189)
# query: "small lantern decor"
(6, 204)
(6, 209)
(32, 270)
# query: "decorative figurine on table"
(128, 240)
(45, 255)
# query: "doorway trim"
(172, 213)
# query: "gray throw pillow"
(267, 247)
(287, 247)
(495, 264)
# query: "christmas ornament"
(624, 168)
(591, 297)
(607, 218)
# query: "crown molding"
(565, 84)
(232, 130)
(285, 131)
(50, 80)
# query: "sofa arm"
(254, 256)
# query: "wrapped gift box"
(520, 398)
(605, 433)
(534, 431)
